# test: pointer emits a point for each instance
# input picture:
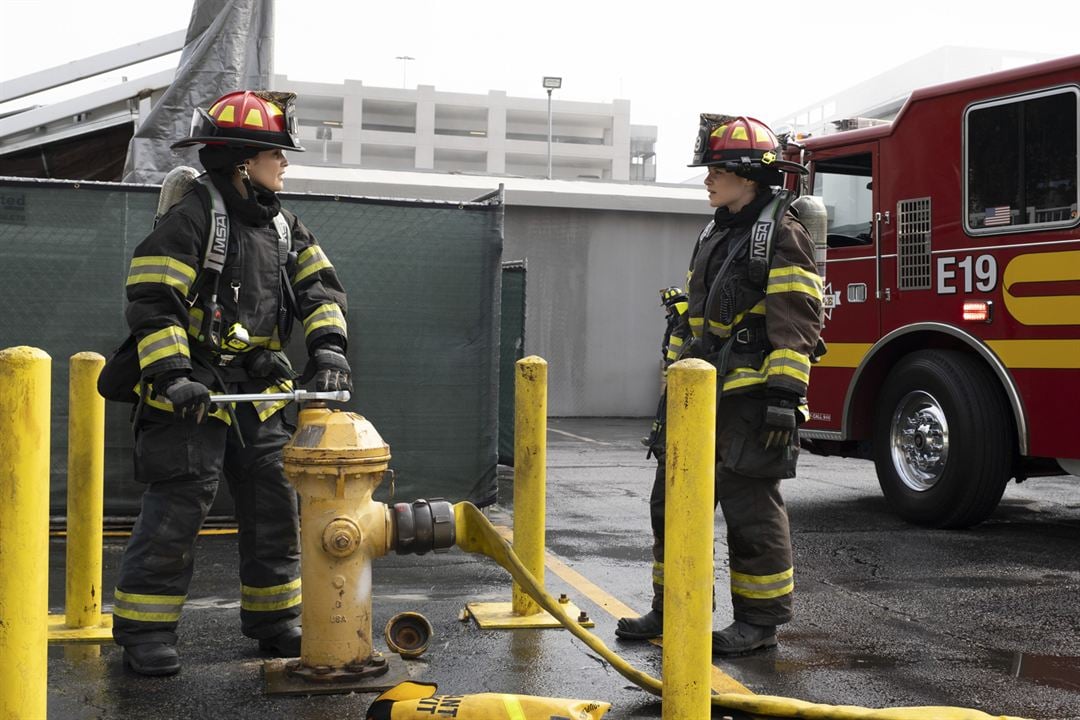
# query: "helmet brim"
(781, 165)
(234, 142)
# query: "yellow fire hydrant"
(336, 459)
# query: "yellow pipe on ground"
(475, 533)
(25, 385)
(86, 492)
(688, 529)
(530, 467)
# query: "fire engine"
(952, 291)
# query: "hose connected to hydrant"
(476, 534)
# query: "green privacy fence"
(423, 279)
(512, 344)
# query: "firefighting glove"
(781, 415)
(330, 369)
(263, 363)
(190, 399)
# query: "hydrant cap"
(334, 437)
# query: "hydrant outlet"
(423, 526)
(341, 537)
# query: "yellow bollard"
(530, 506)
(83, 620)
(688, 545)
(24, 530)
(530, 473)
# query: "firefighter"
(754, 312)
(193, 341)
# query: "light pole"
(404, 64)
(550, 83)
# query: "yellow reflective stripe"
(195, 318)
(682, 307)
(271, 590)
(513, 707)
(794, 279)
(268, 599)
(722, 330)
(675, 340)
(159, 402)
(696, 325)
(758, 309)
(269, 407)
(155, 599)
(763, 587)
(658, 572)
(309, 262)
(161, 269)
(790, 363)
(164, 343)
(148, 608)
(325, 315)
(743, 377)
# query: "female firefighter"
(754, 312)
(212, 292)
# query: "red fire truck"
(952, 292)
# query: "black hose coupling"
(422, 526)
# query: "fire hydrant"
(336, 459)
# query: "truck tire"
(943, 439)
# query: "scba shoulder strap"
(762, 235)
(215, 253)
(217, 241)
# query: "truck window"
(1021, 163)
(844, 184)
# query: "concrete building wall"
(592, 300)
(427, 129)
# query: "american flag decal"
(998, 216)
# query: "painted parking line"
(579, 437)
(721, 681)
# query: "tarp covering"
(512, 344)
(422, 278)
(229, 46)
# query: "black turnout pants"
(181, 464)
(747, 488)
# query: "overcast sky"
(672, 58)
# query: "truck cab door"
(846, 178)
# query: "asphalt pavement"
(887, 614)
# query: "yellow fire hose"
(477, 535)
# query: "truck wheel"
(943, 439)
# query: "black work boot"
(648, 626)
(743, 638)
(285, 644)
(152, 658)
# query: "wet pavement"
(886, 613)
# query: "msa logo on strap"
(221, 233)
(219, 242)
(759, 241)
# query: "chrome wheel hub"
(919, 439)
